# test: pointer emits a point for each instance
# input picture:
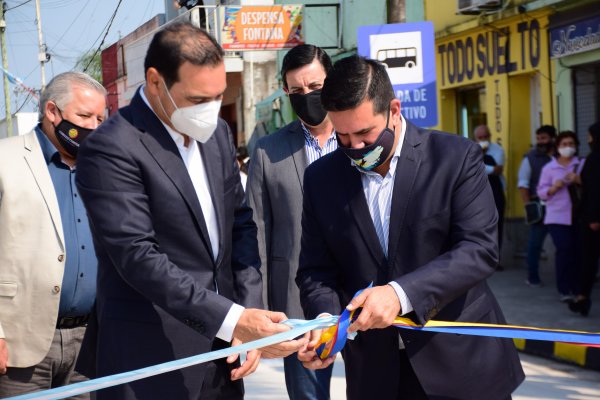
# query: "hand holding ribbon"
(380, 307)
(333, 339)
(255, 324)
(248, 366)
(311, 355)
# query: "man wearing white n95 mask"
(178, 271)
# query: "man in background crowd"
(493, 158)
(528, 178)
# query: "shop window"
(471, 110)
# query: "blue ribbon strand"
(583, 338)
(299, 327)
(125, 377)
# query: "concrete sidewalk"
(540, 307)
(547, 380)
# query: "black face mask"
(70, 136)
(543, 147)
(308, 107)
(375, 154)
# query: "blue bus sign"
(408, 53)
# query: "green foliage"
(91, 64)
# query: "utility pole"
(42, 55)
(9, 130)
(396, 11)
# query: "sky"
(70, 28)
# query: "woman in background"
(553, 188)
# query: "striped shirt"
(311, 144)
(378, 192)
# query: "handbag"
(534, 212)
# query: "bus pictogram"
(398, 58)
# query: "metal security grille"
(587, 101)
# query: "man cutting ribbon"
(410, 210)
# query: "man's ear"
(153, 81)
(395, 108)
(51, 112)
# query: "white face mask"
(566, 152)
(484, 144)
(198, 121)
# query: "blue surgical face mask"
(375, 154)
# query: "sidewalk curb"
(584, 356)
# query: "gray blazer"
(274, 191)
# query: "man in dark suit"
(275, 194)
(411, 211)
(177, 250)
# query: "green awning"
(264, 108)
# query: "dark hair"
(302, 55)
(594, 131)
(242, 157)
(355, 79)
(547, 129)
(566, 134)
(180, 42)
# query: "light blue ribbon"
(299, 327)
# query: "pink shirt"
(558, 205)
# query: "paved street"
(546, 379)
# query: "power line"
(18, 5)
(73, 22)
(105, 35)
(24, 102)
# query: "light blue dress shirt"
(78, 291)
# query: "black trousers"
(590, 241)
(409, 387)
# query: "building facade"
(575, 53)
(493, 68)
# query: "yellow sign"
(262, 27)
(517, 47)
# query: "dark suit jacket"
(590, 189)
(442, 247)
(157, 278)
(274, 192)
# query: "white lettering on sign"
(263, 18)
(418, 112)
(403, 96)
(574, 44)
(406, 98)
(420, 95)
(263, 33)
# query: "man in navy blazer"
(411, 211)
(176, 244)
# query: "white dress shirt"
(497, 153)
(192, 158)
(378, 193)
